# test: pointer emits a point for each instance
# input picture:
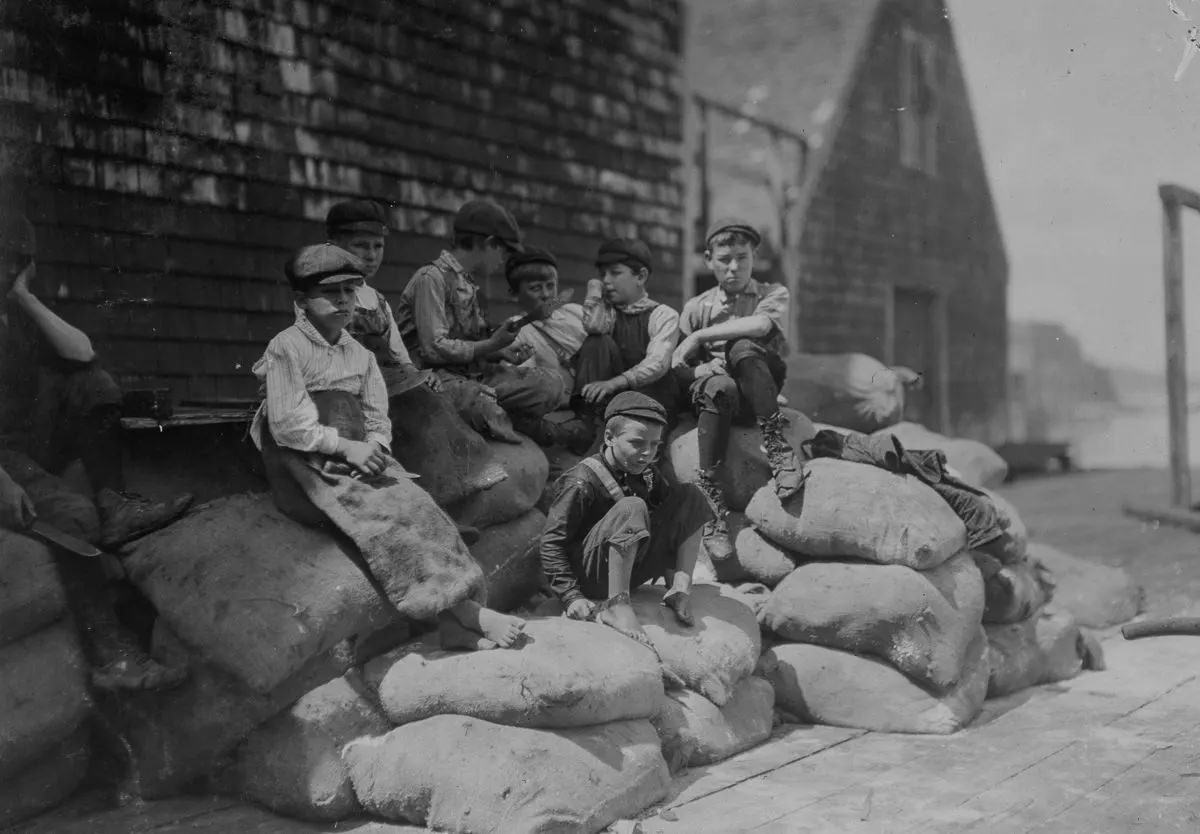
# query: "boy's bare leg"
(502, 629)
(617, 612)
(454, 635)
(679, 597)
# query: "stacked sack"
(44, 703)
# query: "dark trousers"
(599, 359)
(655, 537)
(748, 391)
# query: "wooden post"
(1177, 383)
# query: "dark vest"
(631, 332)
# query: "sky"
(1081, 118)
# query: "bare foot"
(681, 603)
(503, 629)
(622, 617)
(453, 635)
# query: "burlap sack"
(922, 623)
(1014, 592)
(827, 686)
(745, 469)
(512, 498)
(253, 592)
(1043, 649)
(1013, 543)
(976, 463)
(508, 554)
(694, 731)
(567, 674)
(859, 511)
(31, 594)
(1096, 595)
(293, 764)
(43, 695)
(712, 656)
(44, 783)
(452, 773)
(754, 559)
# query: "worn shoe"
(124, 516)
(715, 533)
(785, 467)
(135, 670)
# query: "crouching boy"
(324, 434)
(730, 359)
(616, 523)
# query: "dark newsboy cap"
(483, 217)
(623, 250)
(357, 216)
(16, 233)
(531, 255)
(732, 224)
(635, 405)
(322, 264)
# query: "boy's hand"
(684, 352)
(516, 353)
(707, 368)
(598, 392)
(367, 458)
(581, 609)
(501, 338)
(16, 509)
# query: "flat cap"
(530, 255)
(635, 405)
(483, 217)
(16, 233)
(622, 250)
(357, 216)
(732, 224)
(322, 264)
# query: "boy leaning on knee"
(731, 360)
(616, 523)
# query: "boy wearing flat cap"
(325, 436)
(731, 359)
(443, 322)
(616, 523)
(631, 336)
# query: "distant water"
(1128, 439)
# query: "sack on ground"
(712, 656)
(43, 695)
(527, 470)
(31, 594)
(293, 764)
(1096, 595)
(694, 731)
(859, 511)
(1013, 592)
(566, 674)
(976, 463)
(1043, 649)
(46, 782)
(851, 390)
(179, 735)
(745, 469)
(922, 623)
(508, 554)
(828, 686)
(252, 591)
(454, 773)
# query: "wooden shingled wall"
(171, 152)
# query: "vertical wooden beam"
(1177, 383)
(941, 327)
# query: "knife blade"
(57, 537)
(542, 311)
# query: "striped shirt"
(716, 306)
(298, 361)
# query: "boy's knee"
(746, 349)
(718, 393)
(630, 511)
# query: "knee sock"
(758, 386)
(712, 434)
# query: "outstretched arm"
(68, 342)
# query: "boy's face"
(365, 245)
(330, 306)
(732, 265)
(635, 445)
(532, 293)
(622, 285)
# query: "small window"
(918, 109)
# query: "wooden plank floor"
(1111, 751)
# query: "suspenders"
(601, 471)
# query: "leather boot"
(125, 516)
(715, 533)
(785, 467)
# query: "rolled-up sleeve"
(563, 521)
(291, 413)
(690, 321)
(375, 406)
(432, 323)
(399, 353)
(774, 305)
(663, 330)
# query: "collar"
(447, 261)
(753, 288)
(623, 477)
(641, 305)
(308, 329)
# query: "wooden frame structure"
(1175, 198)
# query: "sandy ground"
(1081, 513)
